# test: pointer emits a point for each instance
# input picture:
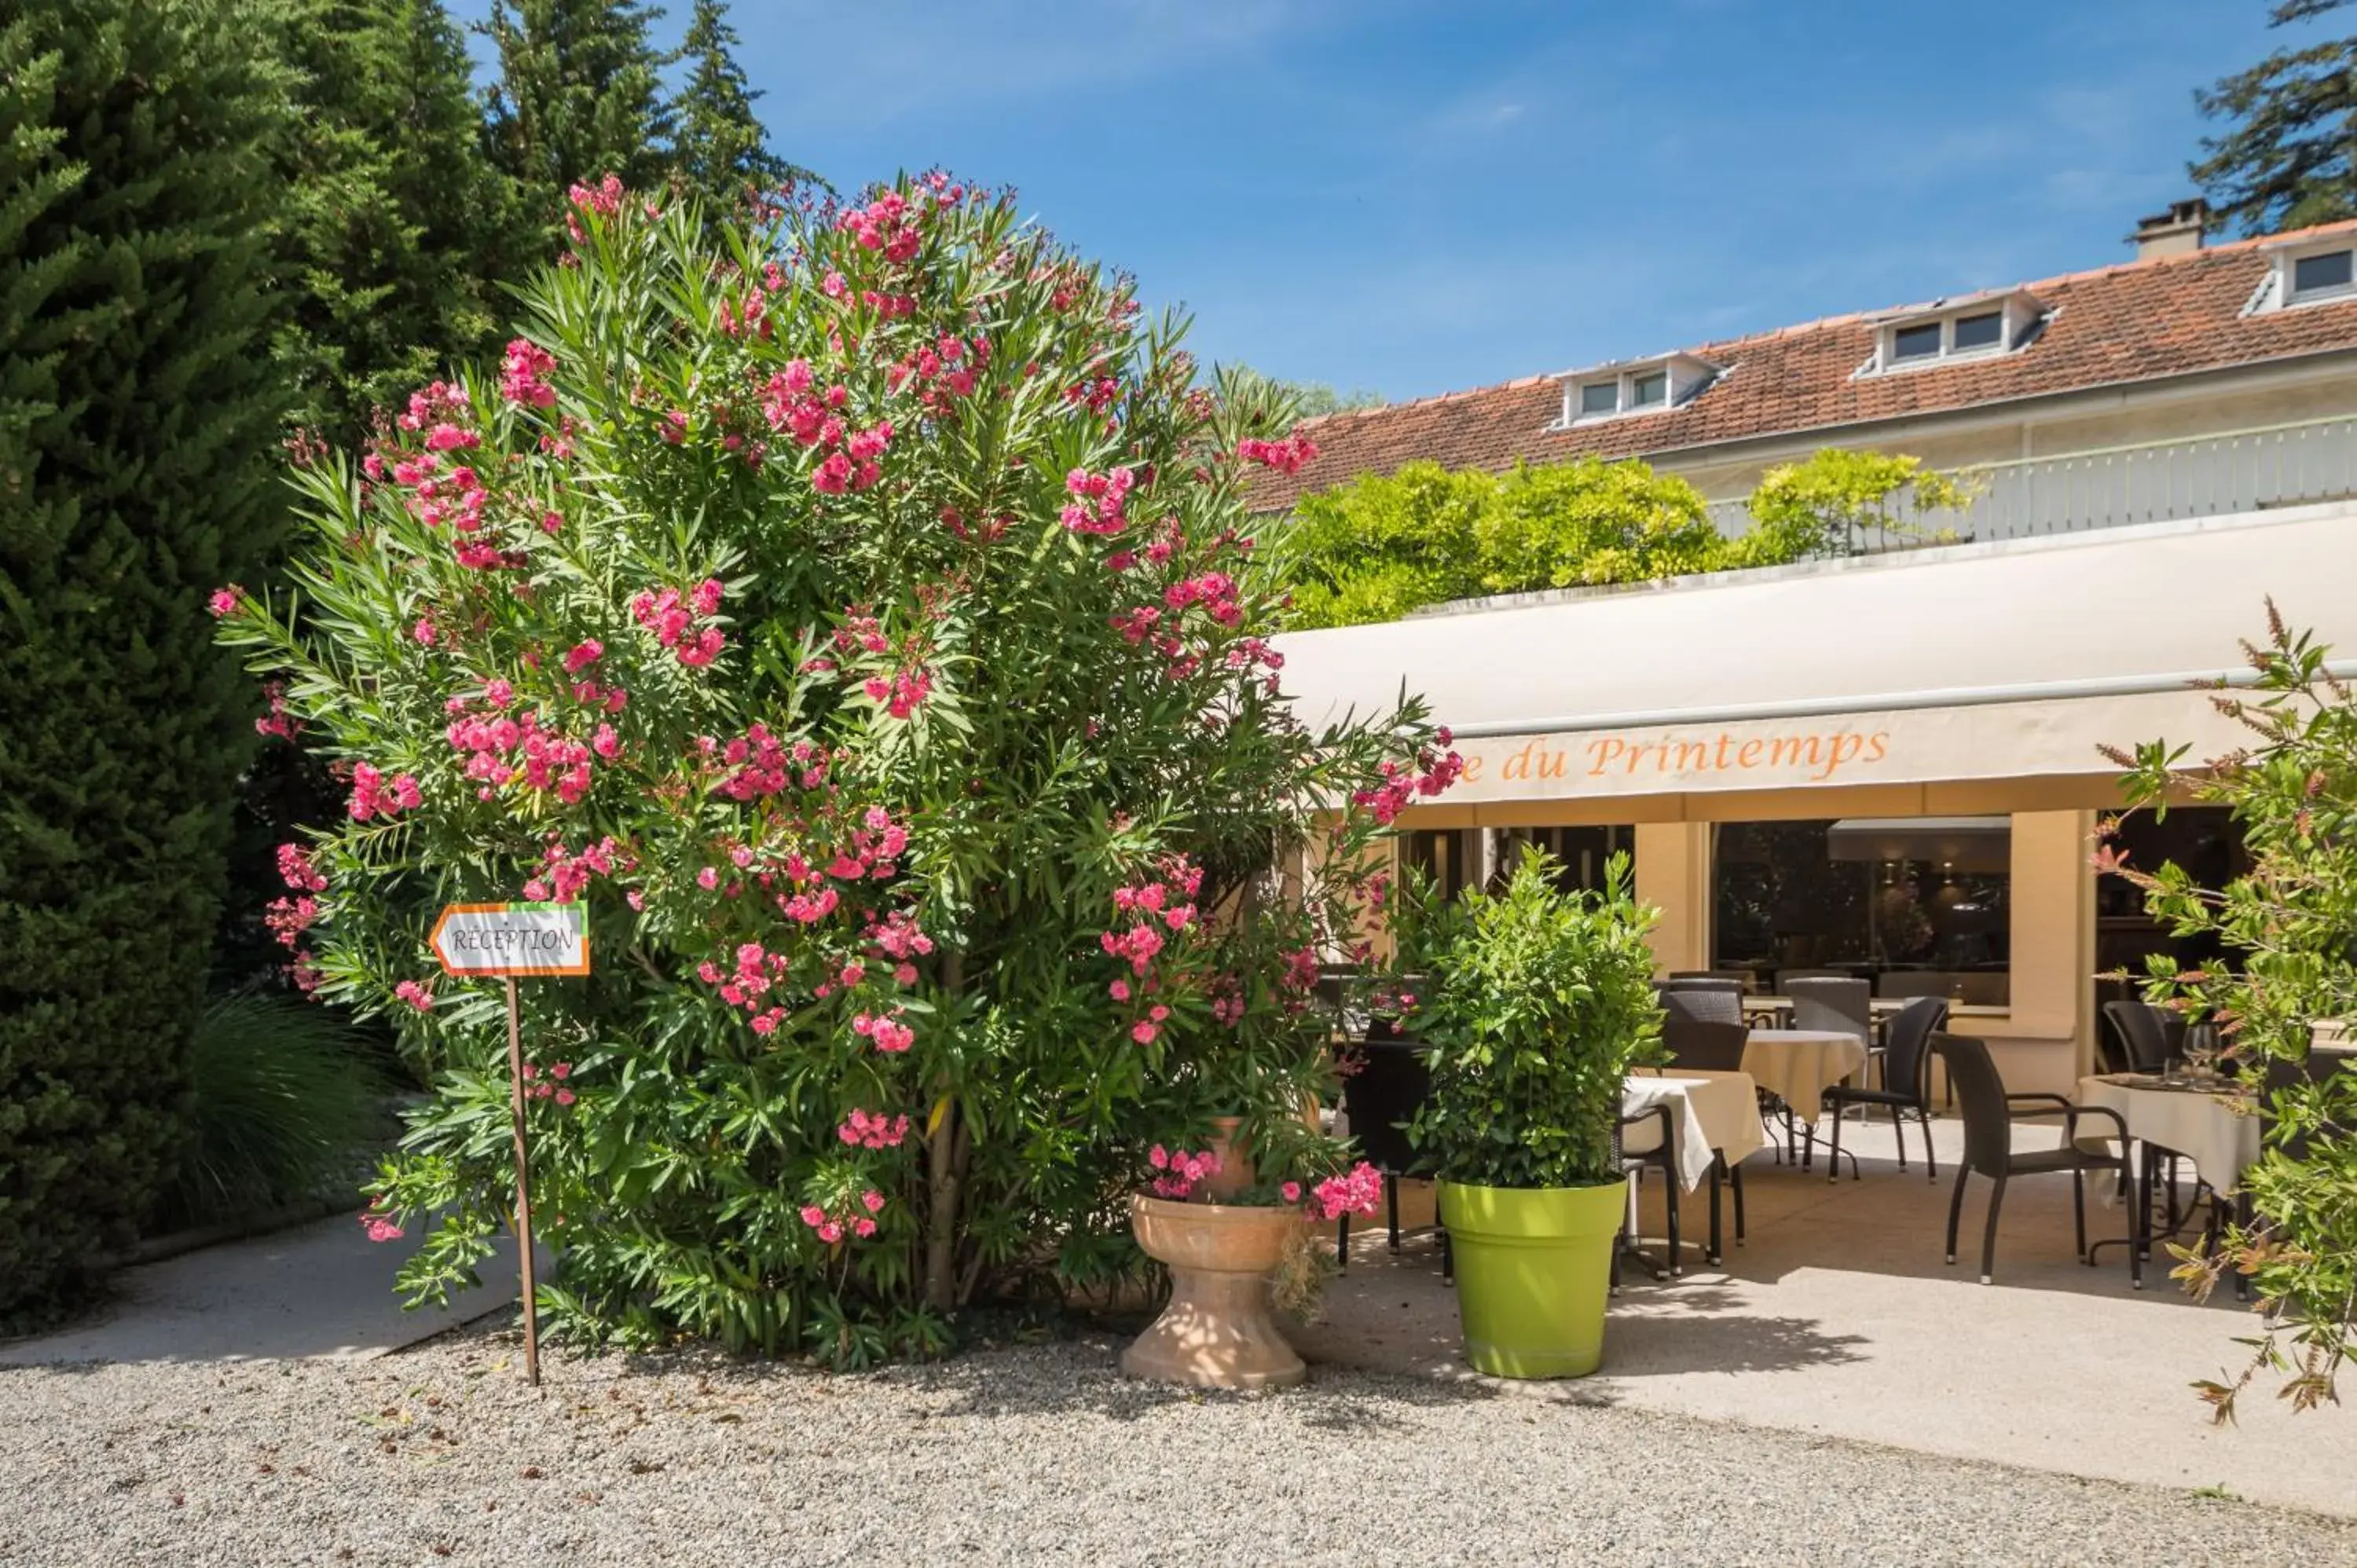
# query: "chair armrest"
(2070, 1126)
(2060, 1104)
(1661, 1113)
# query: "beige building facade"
(1888, 766)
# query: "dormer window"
(1634, 386)
(1983, 327)
(2310, 272)
(2328, 276)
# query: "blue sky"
(1418, 196)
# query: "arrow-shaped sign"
(513, 939)
(509, 939)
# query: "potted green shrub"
(1537, 1002)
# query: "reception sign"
(513, 939)
(506, 941)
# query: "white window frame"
(2294, 296)
(1623, 380)
(2018, 318)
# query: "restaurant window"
(1579, 854)
(2203, 839)
(1918, 906)
(1451, 857)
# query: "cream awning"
(1993, 661)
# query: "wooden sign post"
(507, 941)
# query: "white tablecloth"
(1714, 1113)
(1798, 1066)
(2210, 1131)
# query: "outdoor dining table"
(1797, 1066)
(1715, 1113)
(1714, 1116)
(2209, 1122)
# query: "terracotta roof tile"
(2138, 320)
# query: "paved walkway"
(1840, 1318)
(318, 1290)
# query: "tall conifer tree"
(139, 414)
(720, 151)
(398, 230)
(2290, 157)
(579, 96)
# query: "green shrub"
(2288, 927)
(1535, 1002)
(285, 1104)
(1839, 502)
(137, 421)
(1381, 545)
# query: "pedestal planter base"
(1217, 1332)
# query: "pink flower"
(1144, 1034)
(1120, 990)
(813, 1216)
(416, 995)
(830, 1232)
(522, 379)
(380, 1228)
(223, 601)
(863, 1229)
(564, 1097)
(424, 632)
(1158, 1157)
(873, 1201)
(583, 654)
(1291, 1192)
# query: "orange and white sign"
(1890, 746)
(513, 939)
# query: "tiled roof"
(2139, 320)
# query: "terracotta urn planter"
(1216, 1333)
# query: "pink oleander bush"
(860, 616)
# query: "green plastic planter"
(1534, 1270)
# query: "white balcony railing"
(2152, 481)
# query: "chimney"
(2175, 232)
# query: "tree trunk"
(944, 1173)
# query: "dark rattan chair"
(2139, 1035)
(1392, 1080)
(1836, 1004)
(1662, 1156)
(1702, 1004)
(1989, 1115)
(1744, 979)
(1906, 1083)
(1711, 1048)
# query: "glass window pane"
(1916, 342)
(1600, 397)
(2312, 275)
(1651, 390)
(1920, 906)
(1979, 331)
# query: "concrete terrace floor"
(1839, 1317)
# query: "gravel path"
(1030, 1453)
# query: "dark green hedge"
(137, 424)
